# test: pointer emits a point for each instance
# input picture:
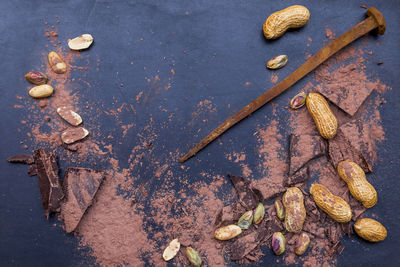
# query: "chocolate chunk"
(340, 148)
(349, 95)
(247, 197)
(347, 229)
(299, 177)
(69, 116)
(73, 135)
(303, 148)
(358, 133)
(21, 158)
(80, 186)
(32, 170)
(311, 209)
(49, 180)
(228, 214)
(245, 244)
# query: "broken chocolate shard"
(358, 133)
(247, 197)
(245, 244)
(228, 214)
(32, 170)
(80, 186)
(304, 148)
(348, 96)
(299, 177)
(49, 180)
(346, 146)
(21, 158)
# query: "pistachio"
(280, 211)
(278, 243)
(41, 91)
(81, 42)
(246, 220)
(227, 232)
(302, 243)
(259, 213)
(69, 116)
(193, 256)
(171, 250)
(277, 62)
(56, 63)
(298, 100)
(36, 77)
(73, 135)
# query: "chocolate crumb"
(32, 170)
(21, 158)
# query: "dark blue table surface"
(224, 48)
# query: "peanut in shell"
(357, 182)
(279, 22)
(370, 230)
(336, 207)
(295, 212)
(322, 115)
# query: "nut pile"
(44, 90)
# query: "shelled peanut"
(295, 212)
(336, 207)
(358, 185)
(322, 115)
(279, 22)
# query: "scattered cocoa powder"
(117, 228)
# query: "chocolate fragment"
(69, 116)
(247, 197)
(340, 148)
(348, 95)
(245, 244)
(80, 186)
(299, 177)
(304, 148)
(347, 229)
(21, 158)
(73, 135)
(228, 215)
(32, 170)
(49, 180)
(359, 135)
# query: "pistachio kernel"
(193, 256)
(277, 62)
(278, 243)
(280, 210)
(298, 100)
(259, 213)
(246, 220)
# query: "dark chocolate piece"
(49, 180)
(359, 136)
(299, 177)
(304, 148)
(245, 244)
(229, 214)
(32, 170)
(347, 229)
(341, 149)
(21, 158)
(80, 186)
(348, 96)
(247, 197)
